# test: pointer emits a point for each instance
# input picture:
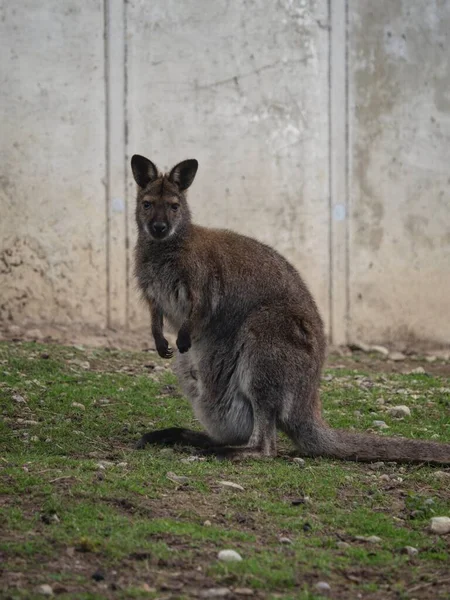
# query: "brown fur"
(251, 344)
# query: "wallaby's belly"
(223, 410)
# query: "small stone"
(410, 551)
(159, 369)
(376, 466)
(380, 424)
(380, 349)
(400, 411)
(322, 586)
(45, 590)
(440, 525)
(230, 484)
(78, 405)
(34, 438)
(357, 413)
(244, 592)
(385, 477)
(98, 576)
(299, 461)
(45, 355)
(215, 593)
(442, 474)
(35, 334)
(285, 540)
(417, 371)
(100, 466)
(372, 539)
(29, 422)
(360, 346)
(207, 523)
(122, 465)
(343, 545)
(396, 356)
(181, 479)
(229, 556)
(380, 401)
(103, 401)
(19, 399)
(431, 359)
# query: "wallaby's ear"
(144, 171)
(183, 173)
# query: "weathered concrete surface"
(52, 161)
(242, 87)
(400, 155)
(339, 160)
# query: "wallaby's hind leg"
(176, 435)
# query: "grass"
(84, 512)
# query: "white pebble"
(230, 484)
(215, 593)
(44, 590)
(399, 411)
(285, 540)
(410, 550)
(18, 398)
(380, 424)
(396, 356)
(78, 405)
(440, 525)
(322, 586)
(299, 461)
(229, 556)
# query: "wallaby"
(251, 342)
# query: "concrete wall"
(321, 128)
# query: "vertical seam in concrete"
(338, 171)
(347, 170)
(116, 191)
(330, 175)
(107, 159)
(125, 155)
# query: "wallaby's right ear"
(144, 171)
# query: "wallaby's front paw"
(163, 348)
(183, 341)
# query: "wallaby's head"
(161, 208)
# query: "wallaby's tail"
(316, 439)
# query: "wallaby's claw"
(163, 349)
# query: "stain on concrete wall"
(52, 154)
(399, 69)
(242, 87)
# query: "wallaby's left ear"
(183, 173)
(144, 171)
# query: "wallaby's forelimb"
(184, 341)
(161, 344)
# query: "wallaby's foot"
(236, 453)
(183, 340)
(176, 435)
(163, 348)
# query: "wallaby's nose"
(159, 228)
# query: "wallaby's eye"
(174, 207)
(147, 204)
